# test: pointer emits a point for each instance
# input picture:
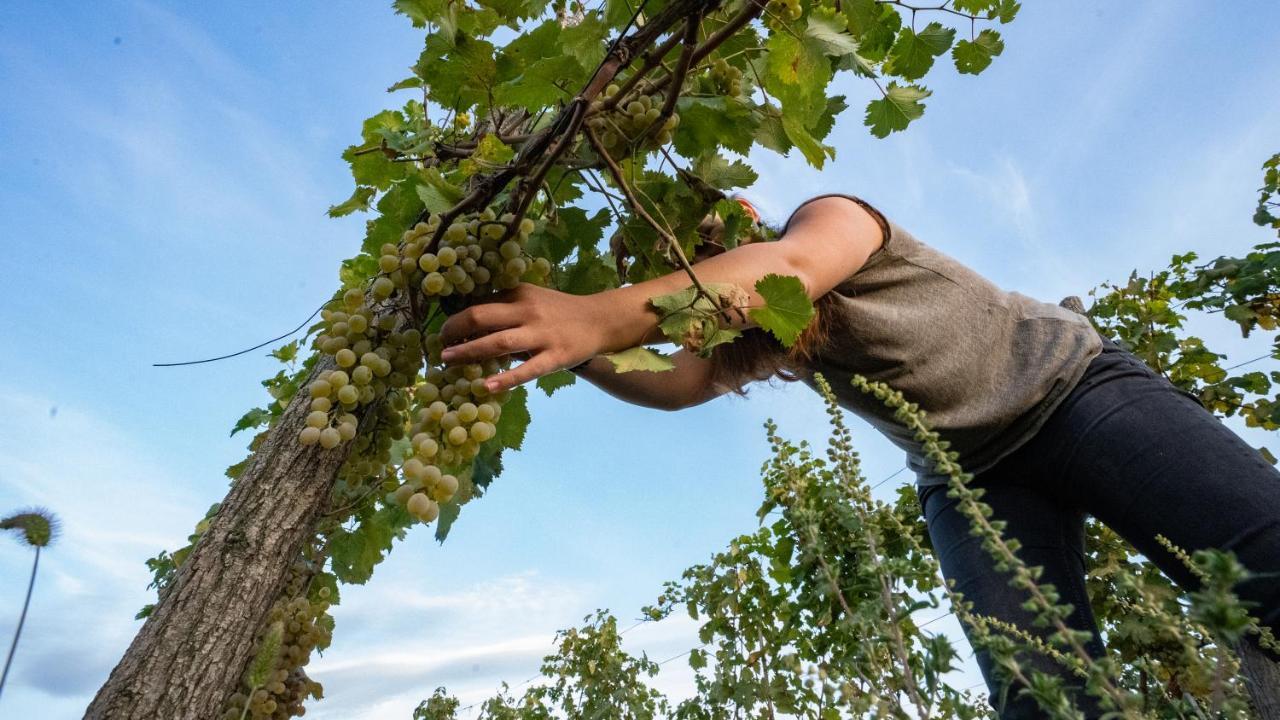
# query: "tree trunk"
(1262, 678)
(189, 656)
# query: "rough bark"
(1262, 678)
(191, 652)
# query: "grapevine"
(480, 186)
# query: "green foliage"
(787, 309)
(786, 612)
(354, 553)
(264, 661)
(440, 706)
(1147, 316)
(640, 358)
(591, 677)
(506, 96)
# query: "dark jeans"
(1142, 457)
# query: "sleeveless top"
(986, 365)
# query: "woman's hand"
(551, 329)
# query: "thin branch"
(638, 209)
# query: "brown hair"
(756, 354)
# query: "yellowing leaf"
(899, 106)
(640, 358)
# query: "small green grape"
(361, 375)
(447, 256)
(433, 283)
(347, 430)
(349, 395)
(419, 505)
(329, 438)
(444, 489)
(383, 287)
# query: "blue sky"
(165, 172)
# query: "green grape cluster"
(305, 628)
(620, 128)
(725, 78)
(372, 358)
(446, 412)
(472, 259)
(453, 415)
(786, 9)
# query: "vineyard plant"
(579, 148)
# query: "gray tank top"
(988, 366)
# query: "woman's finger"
(480, 319)
(537, 366)
(493, 345)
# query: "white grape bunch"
(380, 394)
(622, 127)
(724, 78)
(306, 626)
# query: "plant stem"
(22, 618)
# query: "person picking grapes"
(1054, 421)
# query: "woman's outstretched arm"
(826, 241)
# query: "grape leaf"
(514, 420)
(835, 106)
(815, 152)
(461, 76)
(640, 358)
(556, 380)
(541, 84)
(398, 208)
(797, 72)
(256, 417)
(711, 122)
(375, 168)
(973, 56)
(721, 174)
(589, 274)
(359, 200)
(787, 309)
(420, 12)
(874, 25)
(286, 353)
(913, 52)
(899, 106)
(829, 31)
(437, 193)
(1004, 10)
(572, 229)
(770, 133)
(355, 552)
(449, 512)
